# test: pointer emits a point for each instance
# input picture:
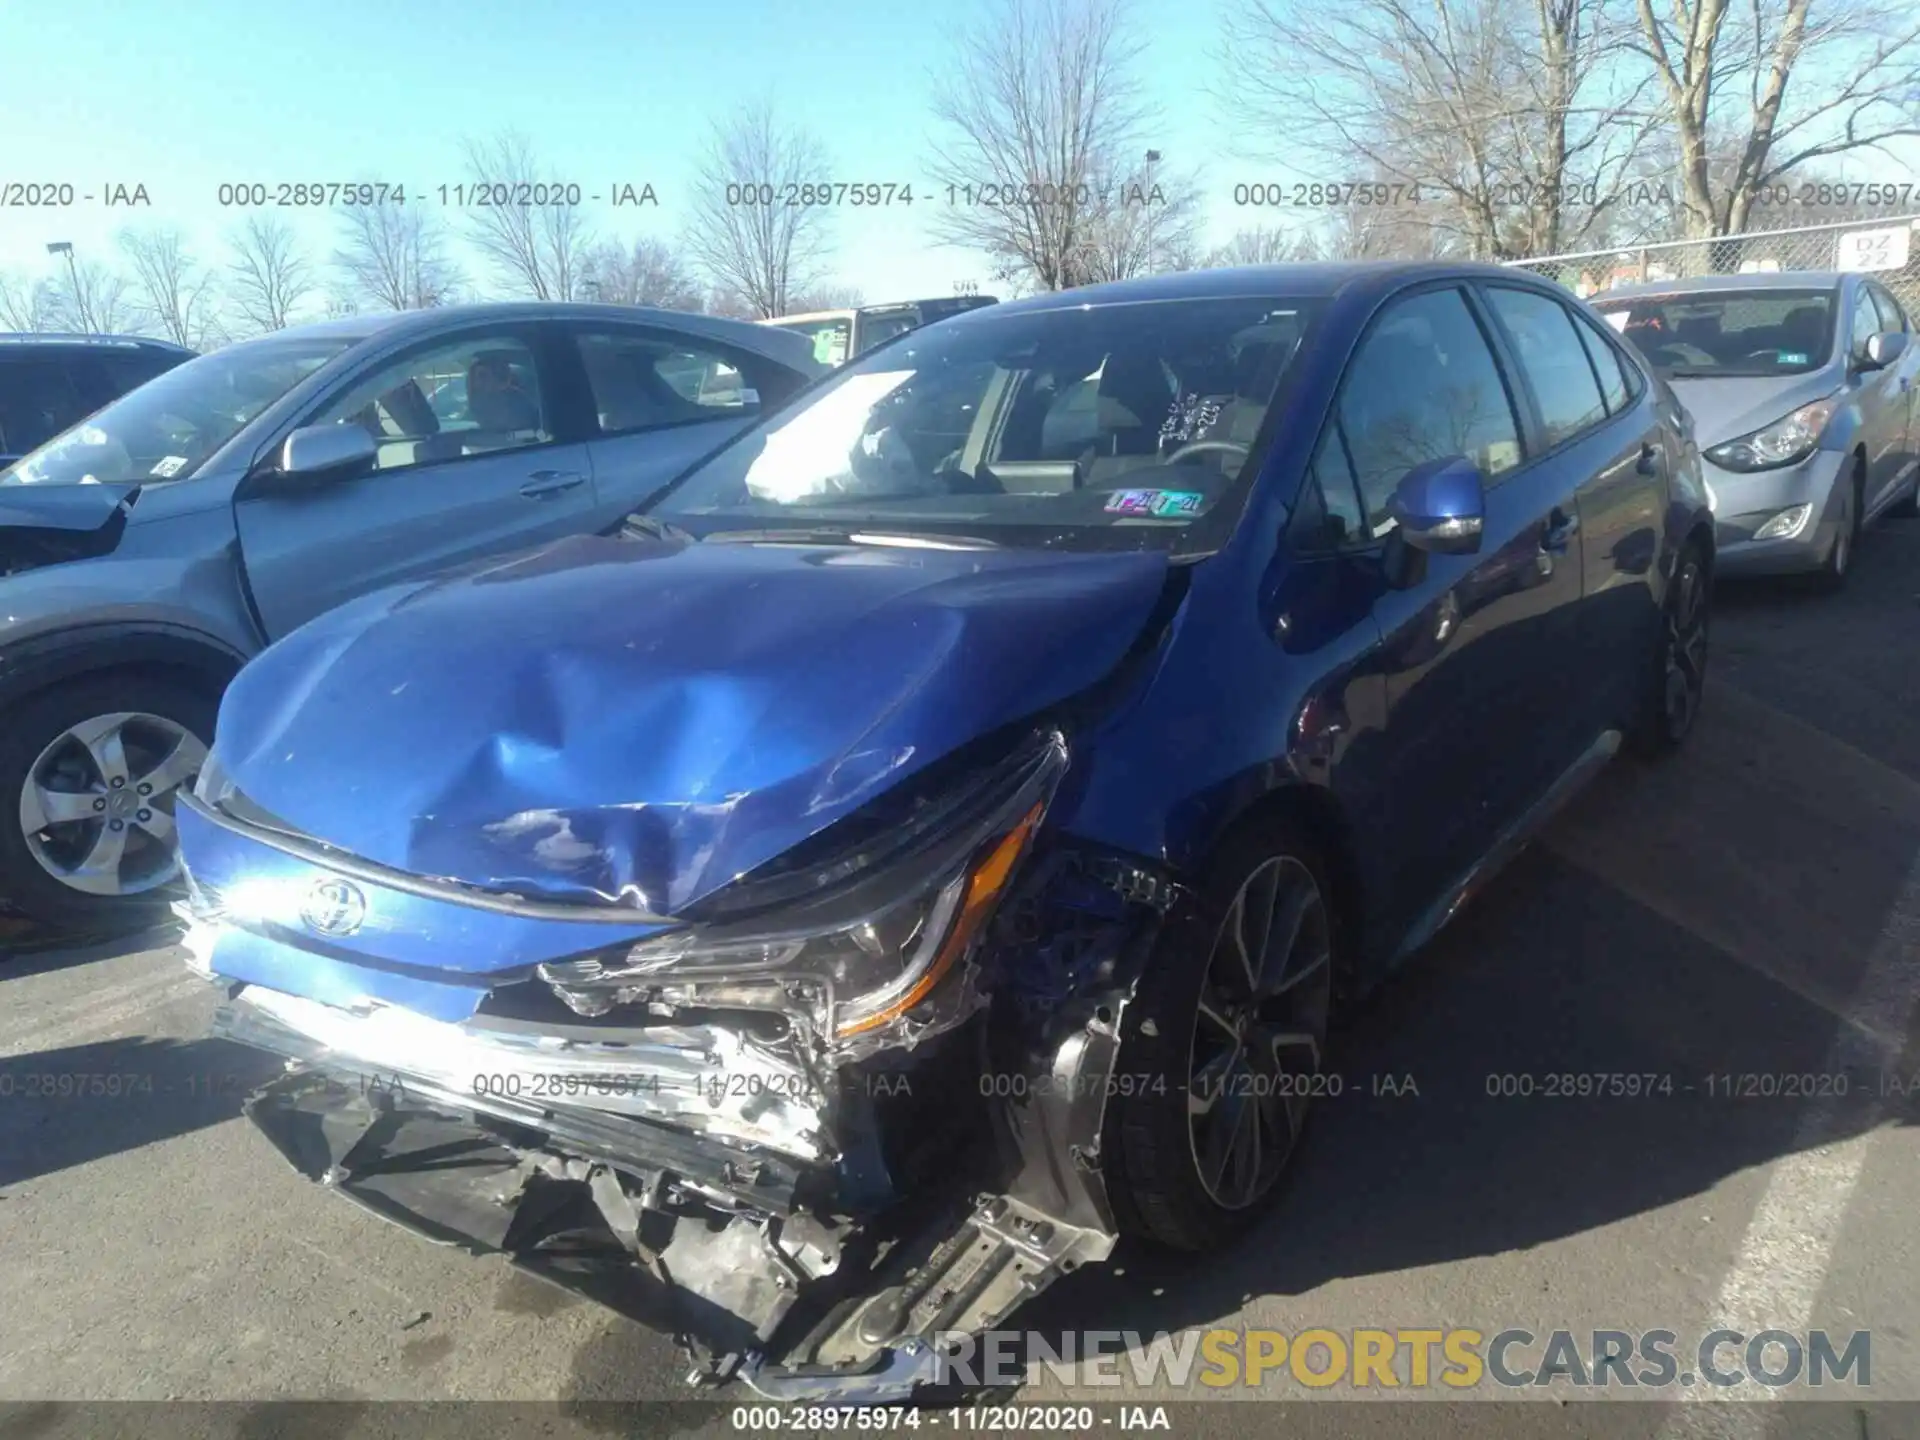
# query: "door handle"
(1649, 462)
(543, 483)
(1561, 528)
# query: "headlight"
(863, 962)
(1786, 441)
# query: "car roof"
(791, 350)
(1307, 281)
(64, 339)
(807, 315)
(1706, 284)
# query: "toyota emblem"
(334, 907)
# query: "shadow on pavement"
(65, 1107)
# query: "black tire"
(1832, 575)
(1666, 715)
(25, 732)
(1154, 1170)
(1907, 508)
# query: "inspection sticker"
(171, 465)
(1155, 502)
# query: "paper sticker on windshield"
(1791, 357)
(1160, 503)
(172, 465)
(1617, 318)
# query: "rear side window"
(1553, 360)
(1424, 386)
(37, 401)
(1608, 364)
(642, 381)
(103, 376)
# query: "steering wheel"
(1203, 447)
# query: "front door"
(1476, 648)
(471, 461)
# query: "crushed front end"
(851, 1102)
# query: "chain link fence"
(1888, 248)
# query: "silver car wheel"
(97, 806)
(1259, 1032)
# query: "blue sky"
(181, 97)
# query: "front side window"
(1424, 386)
(1104, 426)
(167, 428)
(1553, 361)
(1865, 322)
(1697, 334)
(1892, 317)
(1331, 514)
(469, 396)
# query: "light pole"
(65, 247)
(1153, 258)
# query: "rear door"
(1608, 453)
(478, 454)
(1475, 649)
(659, 400)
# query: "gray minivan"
(147, 552)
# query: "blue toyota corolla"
(930, 839)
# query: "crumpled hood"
(45, 524)
(1724, 409)
(641, 722)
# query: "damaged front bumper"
(761, 1261)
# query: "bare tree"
(395, 257)
(1143, 222)
(535, 247)
(1506, 129)
(829, 297)
(1039, 110)
(1265, 245)
(93, 299)
(28, 305)
(1858, 62)
(645, 272)
(270, 275)
(742, 234)
(176, 293)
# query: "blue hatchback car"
(930, 839)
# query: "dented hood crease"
(641, 722)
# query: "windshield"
(165, 429)
(1097, 426)
(1727, 332)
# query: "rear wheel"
(89, 773)
(1226, 1039)
(1677, 675)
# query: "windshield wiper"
(828, 535)
(636, 527)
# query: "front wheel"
(89, 773)
(1833, 572)
(1230, 1020)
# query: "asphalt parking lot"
(1752, 910)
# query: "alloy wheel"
(1686, 669)
(1259, 1032)
(97, 806)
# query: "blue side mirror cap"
(1441, 506)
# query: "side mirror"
(327, 452)
(1883, 348)
(1440, 506)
